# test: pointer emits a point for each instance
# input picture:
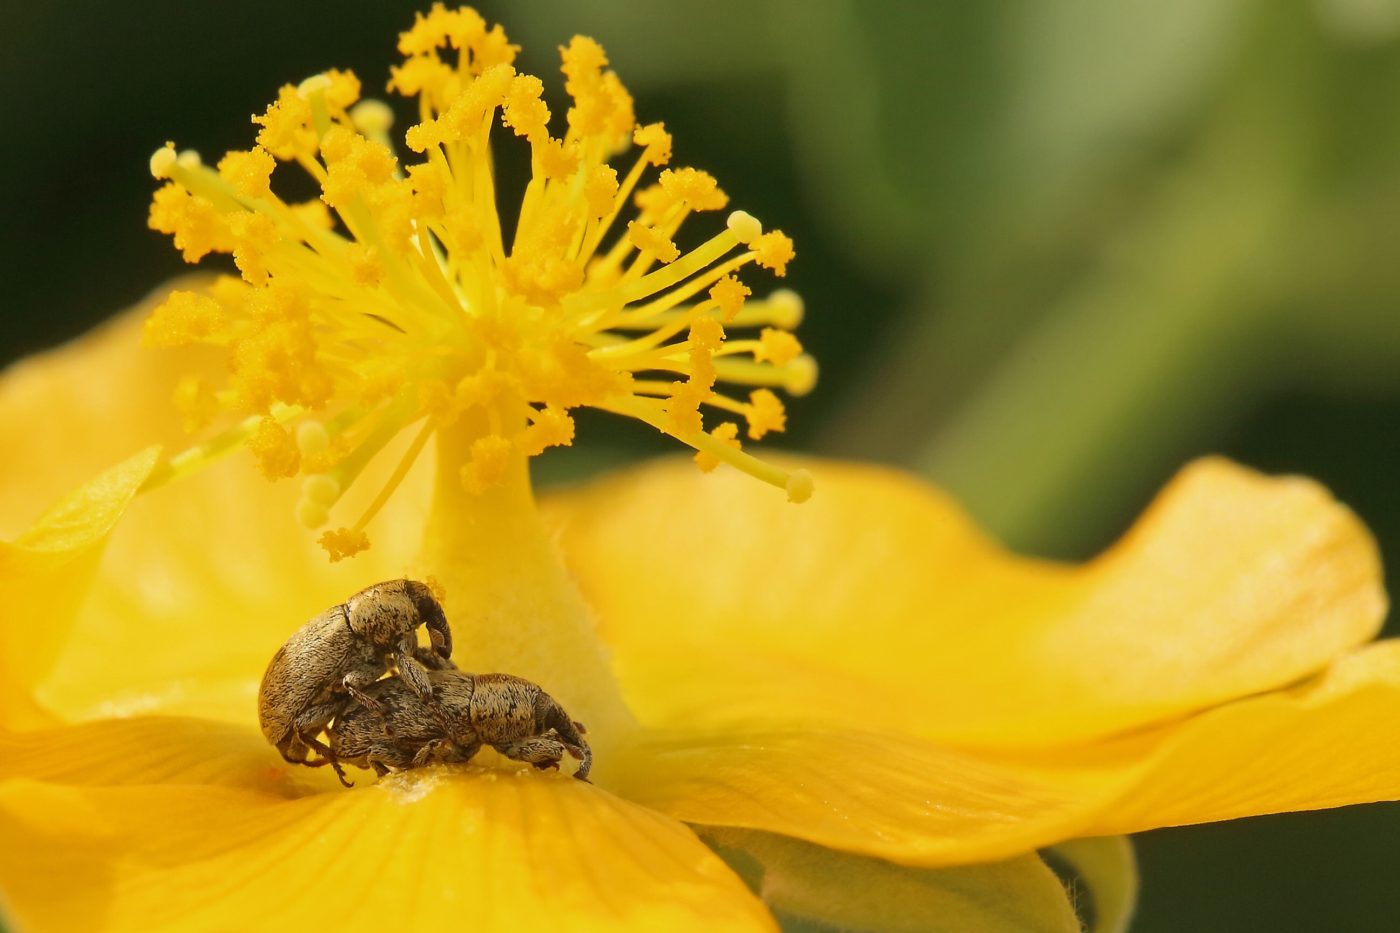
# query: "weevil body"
(336, 655)
(512, 715)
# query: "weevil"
(332, 659)
(511, 714)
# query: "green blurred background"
(1050, 249)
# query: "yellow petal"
(1322, 744)
(201, 583)
(878, 604)
(1325, 743)
(44, 574)
(887, 796)
(205, 578)
(153, 750)
(801, 881)
(85, 405)
(426, 850)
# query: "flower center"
(398, 301)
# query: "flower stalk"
(513, 605)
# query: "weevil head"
(431, 615)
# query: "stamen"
(337, 543)
(391, 300)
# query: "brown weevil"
(335, 656)
(512, 715)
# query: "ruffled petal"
(156, 750)
(1325, 743)
(85, 405)
(44, 574)
(204, 579)
(838, 890)
(201, 583)
(878, 604)
(887, 796)
(433, 849)
(1322, 744)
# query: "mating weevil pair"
(327, 677)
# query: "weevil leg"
(550, 715)
(415, 674)
(412, 671)
(541, 751)
(355, 683)
(442, 751)
(293, 749)
(432, 660)
(327, 757)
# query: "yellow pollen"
(729, 293)
(398, 297)
(774, 252)
(552, 427)
(727, 433)
(343, 542)
(656, 142)
(249, 174)
(648, 240)
(275, 449)
(777, 346)
(490, 458)
(765, 413)
(697, 189)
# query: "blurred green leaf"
(1188, 241)
(812, 888)
(1107, 869)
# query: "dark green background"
(1145, 234)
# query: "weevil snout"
(434, 620)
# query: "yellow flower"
(867, 706)
(866, 673)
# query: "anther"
(745, 226)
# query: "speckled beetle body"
(336, 655)
(512, 715)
